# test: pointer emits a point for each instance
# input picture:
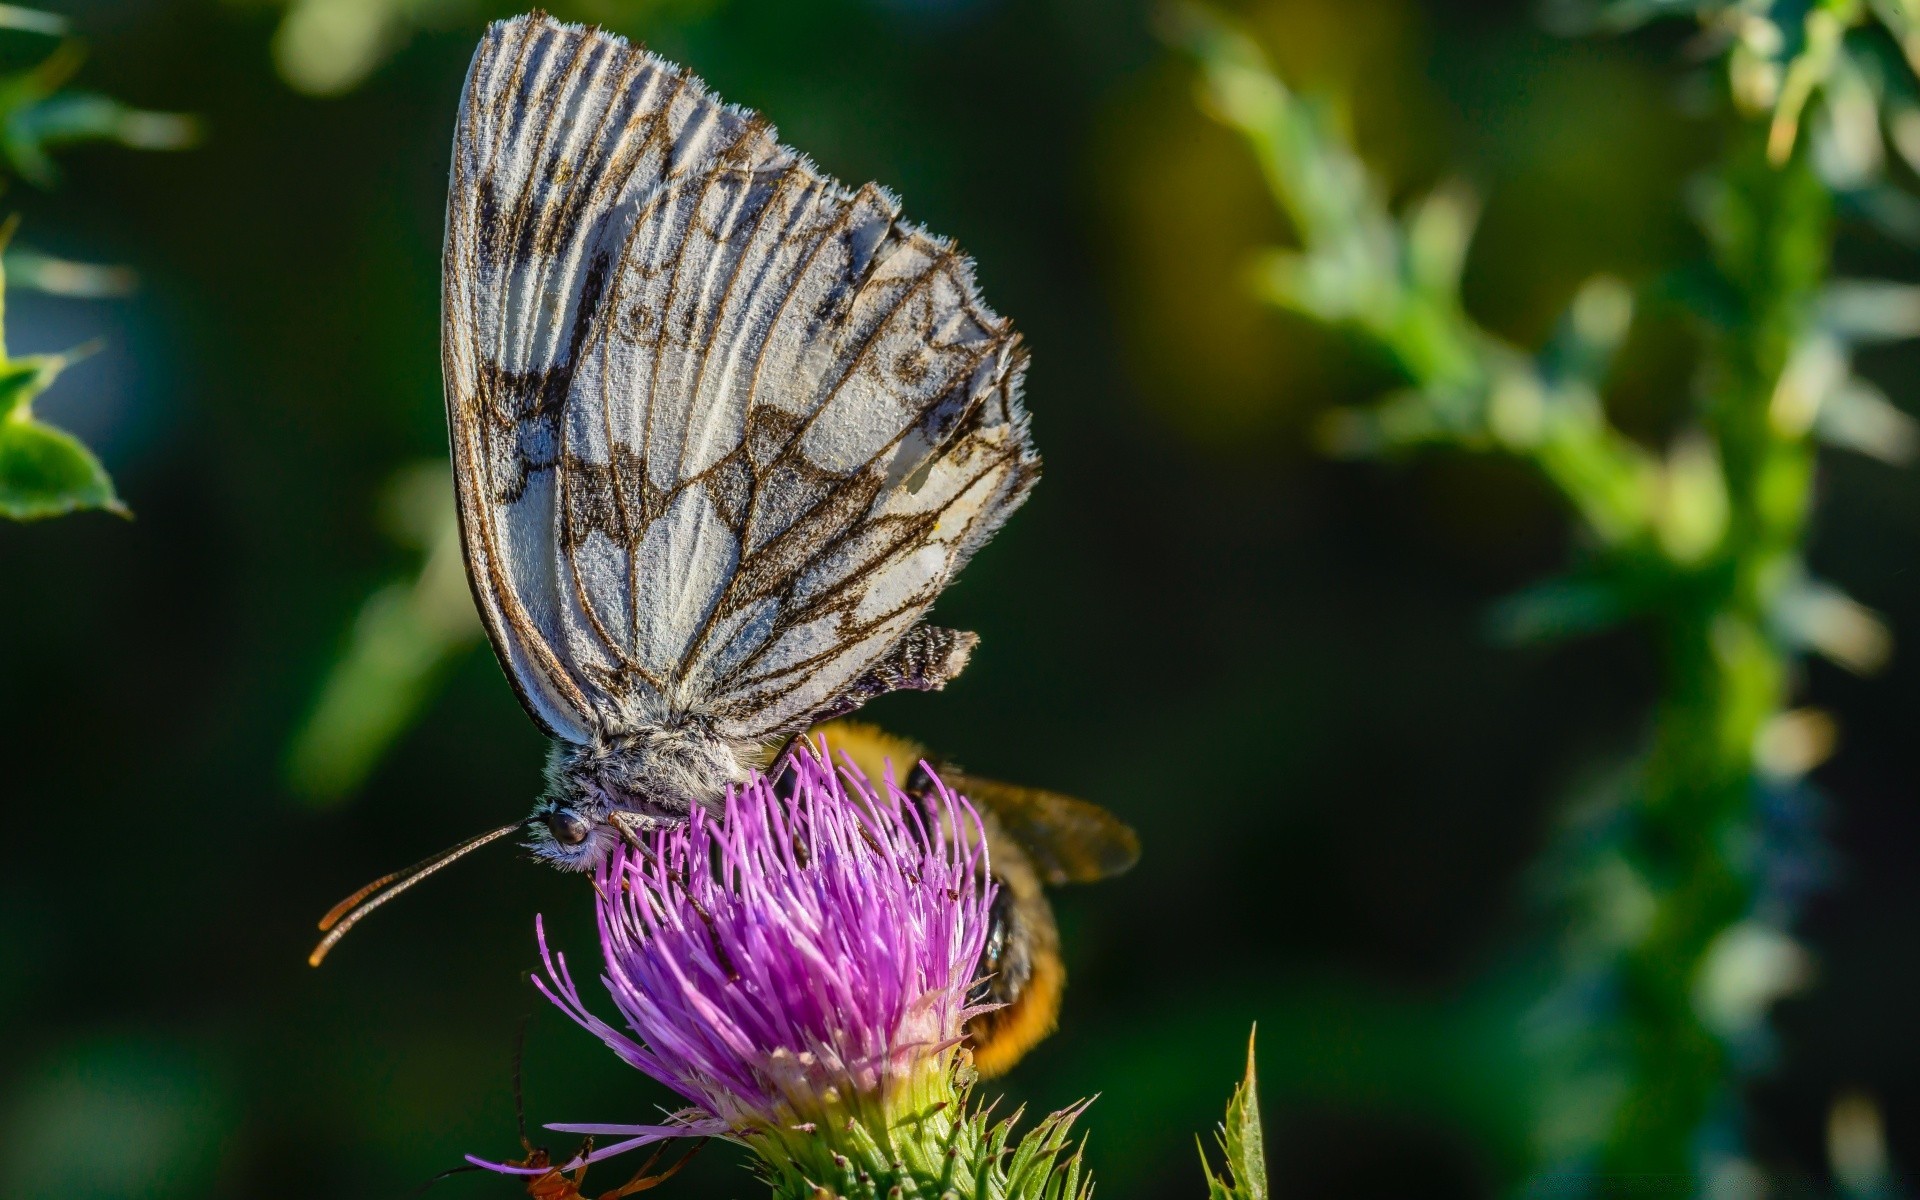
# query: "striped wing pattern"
(722, 428)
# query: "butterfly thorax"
(606, 789)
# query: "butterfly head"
(572, 831)
(603, 791)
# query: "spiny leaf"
(1242, 1144)
(46, 472)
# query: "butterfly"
(722, 429)
(1035, 840)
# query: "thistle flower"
(798, 972)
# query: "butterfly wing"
(722, 428)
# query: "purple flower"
(802, 961)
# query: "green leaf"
(45, 472)
(1242, 1144)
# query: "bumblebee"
(1035, 840)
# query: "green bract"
(44, 471)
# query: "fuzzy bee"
(1035, 840)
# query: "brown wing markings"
(959, 430)
(942, 260)
(494, 367)
(846, 595)
(746, 479)
(514, 612)
(939, 265)
(583, 185)
(568, 549)
(600, 321)
(804, 422)
(821, 188)
(745, 586)
(1026, 461)
(516, 78)
(794, 170)
(497, 602)
(591, 290)
(653, 376)
(726, 298)
(840, 225)
(755, 131)
(479, 518)
(782, 683)
(567, 466)
(660, 132)
(736, 520)
(547, 237)
(516, 241)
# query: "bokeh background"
(1274, 665)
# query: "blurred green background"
(1275, 666)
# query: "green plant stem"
(1726, 667)
(1705, 544)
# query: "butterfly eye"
(567, 827)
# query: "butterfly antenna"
(351, 911)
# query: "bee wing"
(1065, 840)
(722, 427)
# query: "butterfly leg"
(922, 661)
(632, 824)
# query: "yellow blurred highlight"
(32, 20)
(1603, 311)
(1749, 967)
(1187, 212)
(1842, 629)
(1794, 743)
(327, 47)
(1815, 371)
(1693, 517)
(1857, 1145)
(64, 277)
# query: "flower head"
(797, 970)
(805, 958)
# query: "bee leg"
(922, 661)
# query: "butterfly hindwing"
(722, 428)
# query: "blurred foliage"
(45, 472)
(405, 637)
(166, 1112)
(330, 47)
(1686, 944)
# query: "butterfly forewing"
(722, 428)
